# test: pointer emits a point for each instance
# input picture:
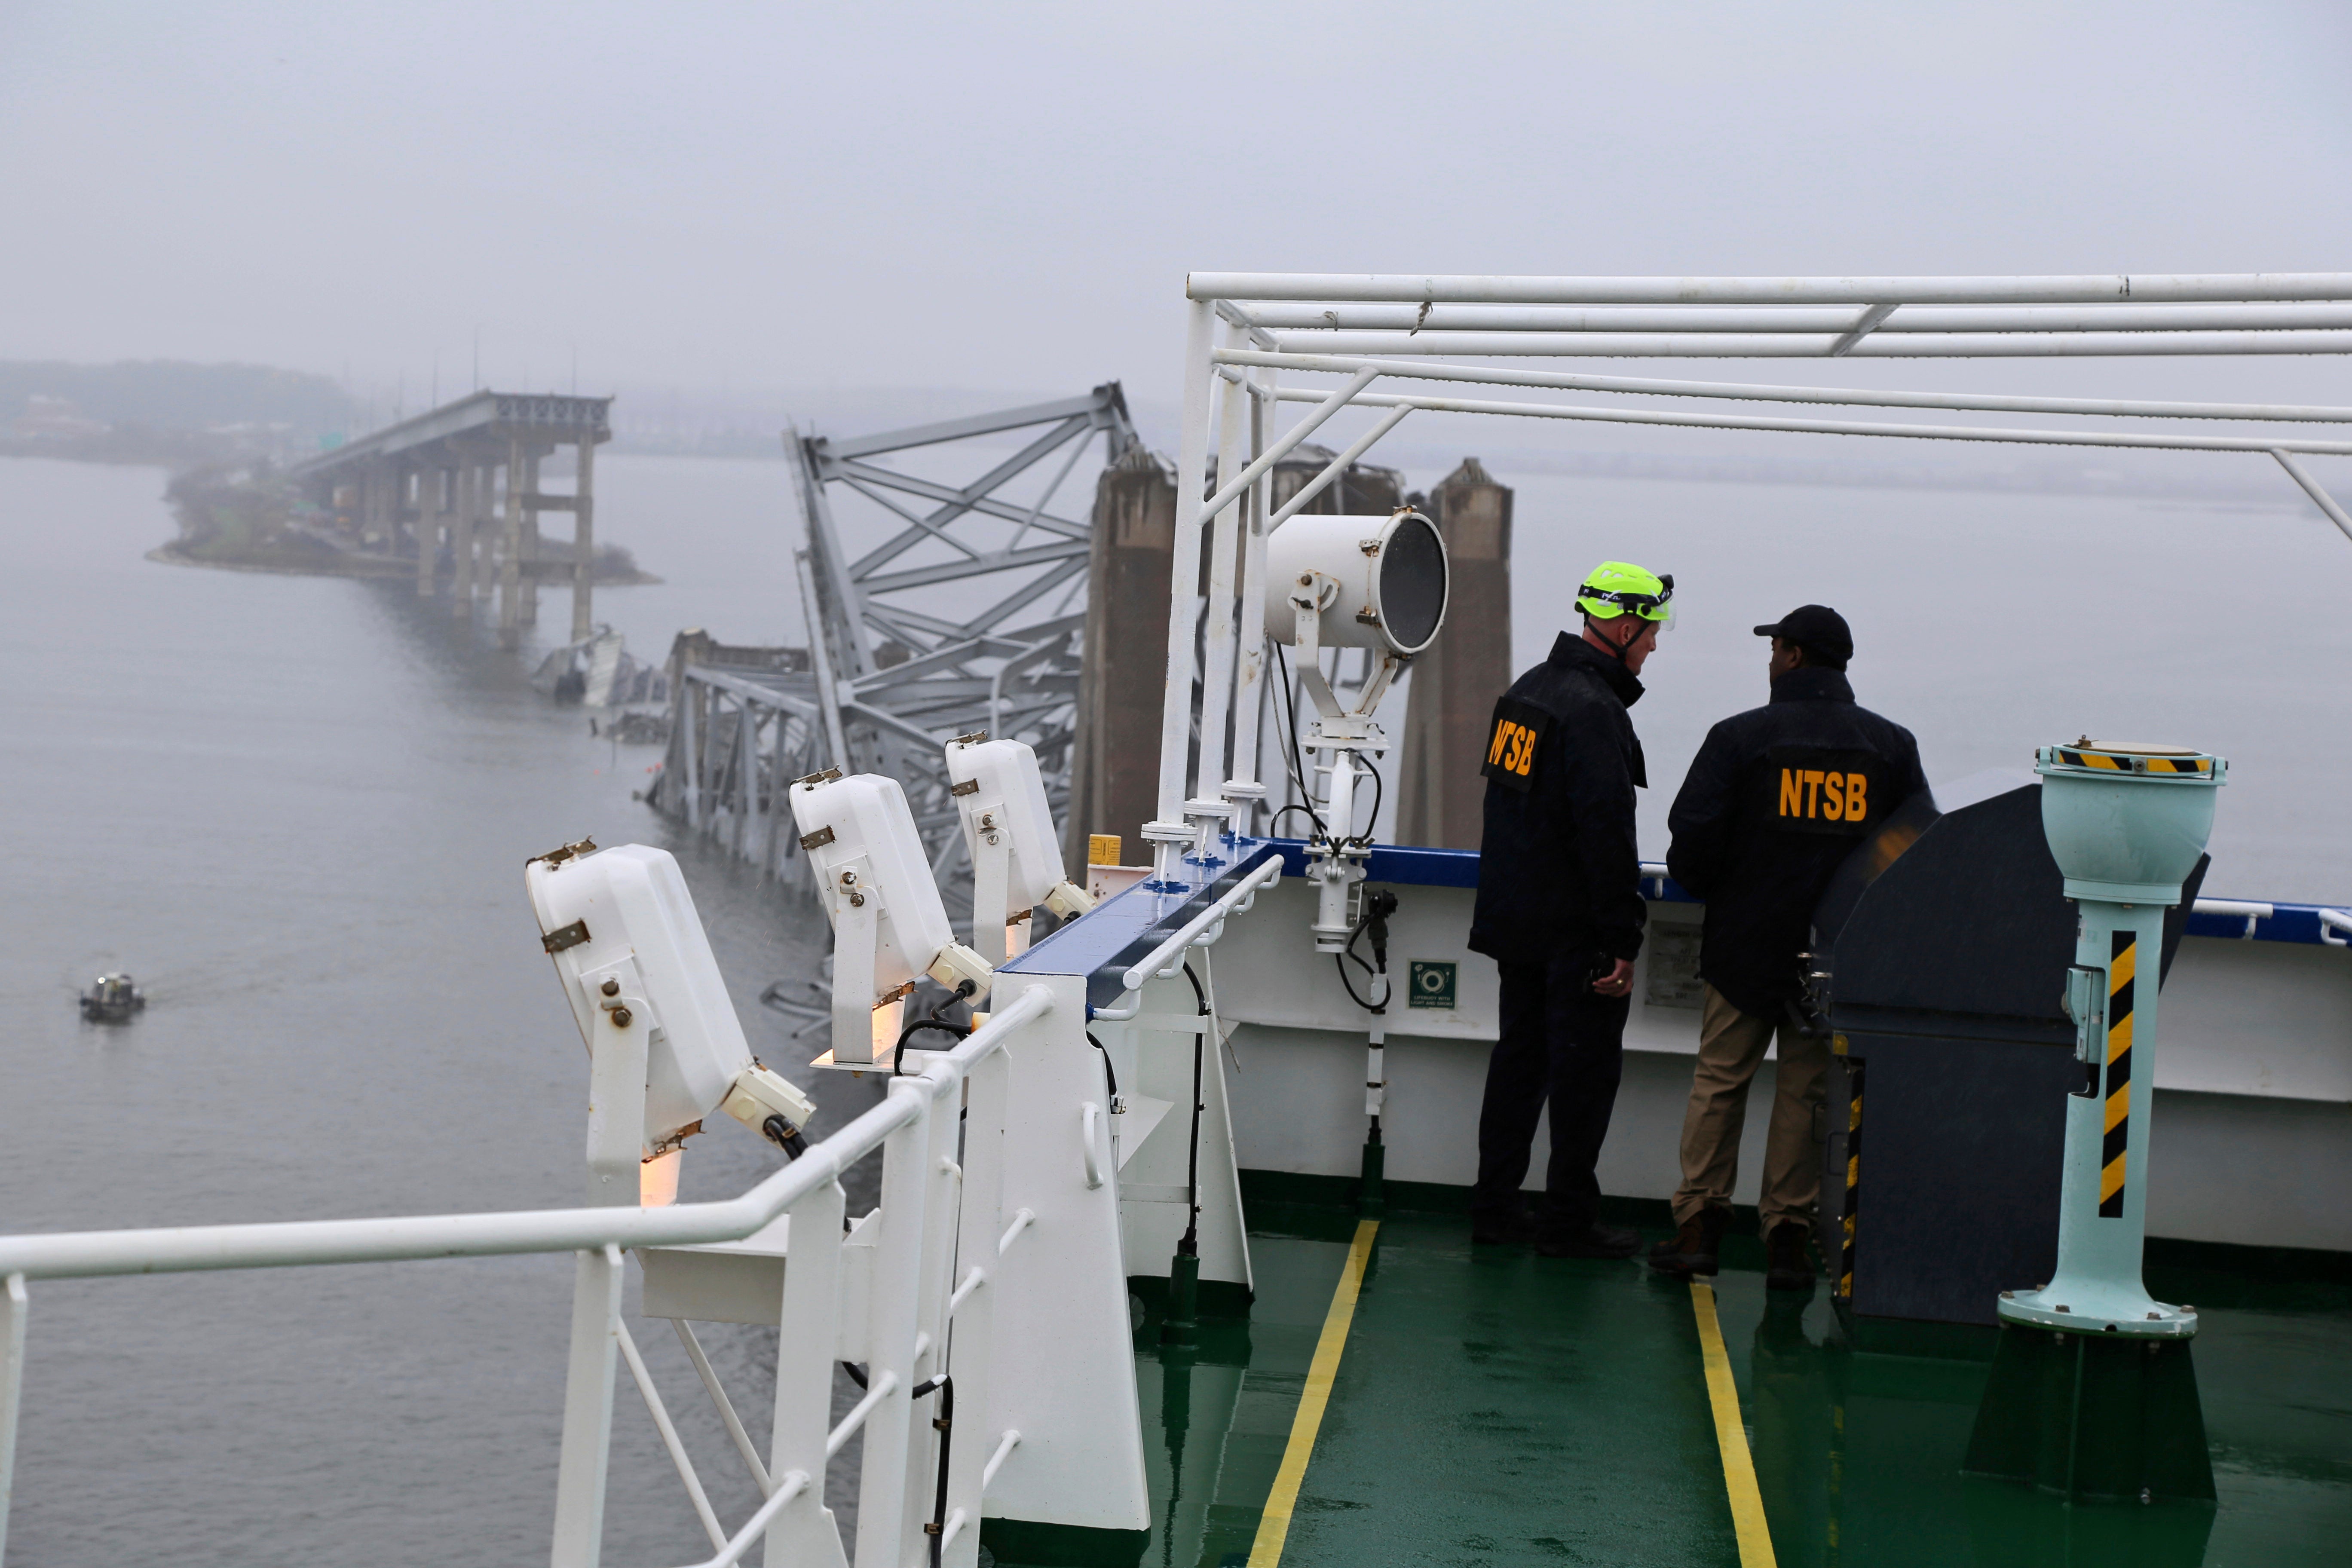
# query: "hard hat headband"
(1649, 606)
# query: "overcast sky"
(1008, 195)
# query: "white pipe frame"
(1243, 791)
(1337, 324)
(1208, 805)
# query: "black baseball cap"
(1821, 631)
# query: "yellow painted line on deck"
(1730, 1435)
(1274, 1526)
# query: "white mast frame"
(1371, 328)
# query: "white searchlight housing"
(1375, 581)
(665, 1046)
(1008, 829)
(888, 924)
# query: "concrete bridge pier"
(461, 538)
(584, 542)
(527, 539)
(483, 557)
(428, 526)
(438, 476)
(511, 551)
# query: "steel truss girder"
(1009, 664)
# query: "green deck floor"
(1497, 1408)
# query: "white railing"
(936, 1241)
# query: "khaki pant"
(1730, 1044)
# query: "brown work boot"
(1786, 1264)
(1693, 1249)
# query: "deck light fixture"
(665, 1046)
(888, 924)
(1008, 830)
(1375, 582)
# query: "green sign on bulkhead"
(1432, 985)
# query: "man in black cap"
(1776, 799)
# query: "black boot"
(1786, 1267)
(1693, 1249)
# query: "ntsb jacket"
(1776, 799)
(1559, 876)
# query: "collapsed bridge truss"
(936, 608)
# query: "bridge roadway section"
(467, 475)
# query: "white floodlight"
(1008, 827)
(1376, 583)
(662, 1036)
(888, 925)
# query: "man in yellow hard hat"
(1559, 910)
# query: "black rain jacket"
(1776, 799)
(1558, 872)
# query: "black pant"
(1558, 1040)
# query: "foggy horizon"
(767, 207)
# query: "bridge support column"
(529, 539)
(461, 536)
(486, 536)
(428, 529)
(584, 542)
(511, 562)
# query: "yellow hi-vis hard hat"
(1616, 588)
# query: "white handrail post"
(809, 1329)
(1217, 666)
(14, 1305)
(580, 1470)
(943, 1086)
(1243, 787)
(897, 1273)
(980, 1223)
(1168, 831)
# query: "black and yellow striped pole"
(2126, 824)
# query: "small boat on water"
(111, 999)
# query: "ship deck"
(1486, 1405)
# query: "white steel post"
(584, 542)
(1169, 832)
(980, 1223)
(13, 1306)
(510, 562)
(941, 1176)
(1217, 670)
(1243, 788)
(804, 1535)
(588, 1409)
(897, 1273)
(468, 481)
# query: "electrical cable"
(1297, 763)
(944, 1424)
(1378, 904)
(1190, 1245)
(1110, 1073)
(1287, 810)
(785, 1136)
(1379, 797)
(931, 1021)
